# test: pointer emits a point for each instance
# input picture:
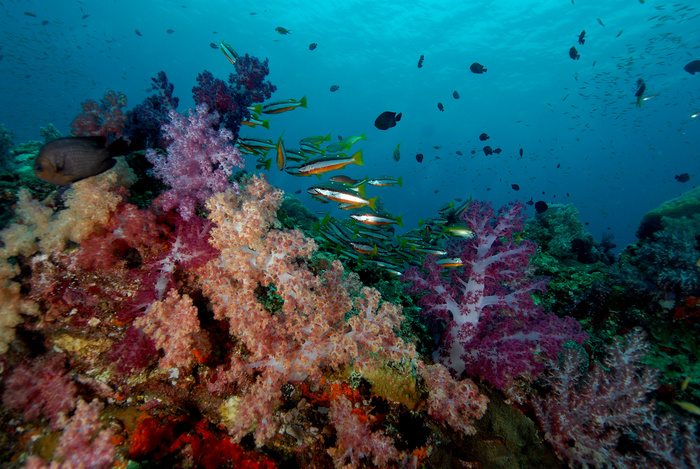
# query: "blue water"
(584, 140)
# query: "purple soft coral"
(494, 328)
(199, 160)
(246, 86)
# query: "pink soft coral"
(494, 328)
(199, 160)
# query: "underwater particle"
(582, 37)
(213, 46)
(692, 67)
(541, 206)
(138, 33)
(488, 150)
(313, 45)
(515, 187)
(573, 53)
(483, 137)
(71, 159)
(685, 177)
(170, 31)
(419, 157)
(334, 88)
(282, 30)
(455, 95)
(420, 61)
(476, 67)
(386, 120)
(441, 107)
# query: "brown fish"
(71, 159)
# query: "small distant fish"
(685, 177)
(313, 45)
(692, 67)
(697, 114)
(397, 152)
(455, 95)
(459, 153)
(45, 22)
(29, 13)
(334, 88)
(497, 151)
(573, 53)
(138, 33)
(387, 120)
(170, 31)
(649, 96)
(521, 152)
(282, 30)
(582, 37)
(515, 187)
(214, 46)
(620, 33)
(488, 150)
(483, 137)
(477, 68)
(278, 107)
(85, 16)
(441, 107)
(600, 22)
(541, 206)
(419, 157)
(420, 61)
(71, 159)
(639, 94)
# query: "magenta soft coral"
(199, 161)
(494, 328)
(42, 389)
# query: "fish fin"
(266, 124)
(397, 117)
(398, 221)
(327, 138)
(373, 203)
(361, 190)
(357, 158)
(399, 181)
(363, 136)
(302, 101)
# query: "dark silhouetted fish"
(497, 151)
(71, 159)
(213, 46)
(387, 120)
(573, 53)
(477, 68)
(685, 177)
(45, 22)
(459, 153)
(515, 187)
(483, 137)
(521, 152)
(455, 95)
(541, 206)
(419, 158)
(334, 88)
(312, 46)
(488, 150)
(138, 33)
(582, 37)
(692, 67)
(170, 31)
(282, 30)
(29, 13)
(420, 61)
(441, 107)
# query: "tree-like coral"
(199, 162)
(104, 118)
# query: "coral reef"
(104, 118)
(143, 123)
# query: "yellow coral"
(12, 305)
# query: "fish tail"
(361, 190)
(302, 101)
(398, 221)
(266, 124)
(357, 158)
(373, 203)
(399, 181)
